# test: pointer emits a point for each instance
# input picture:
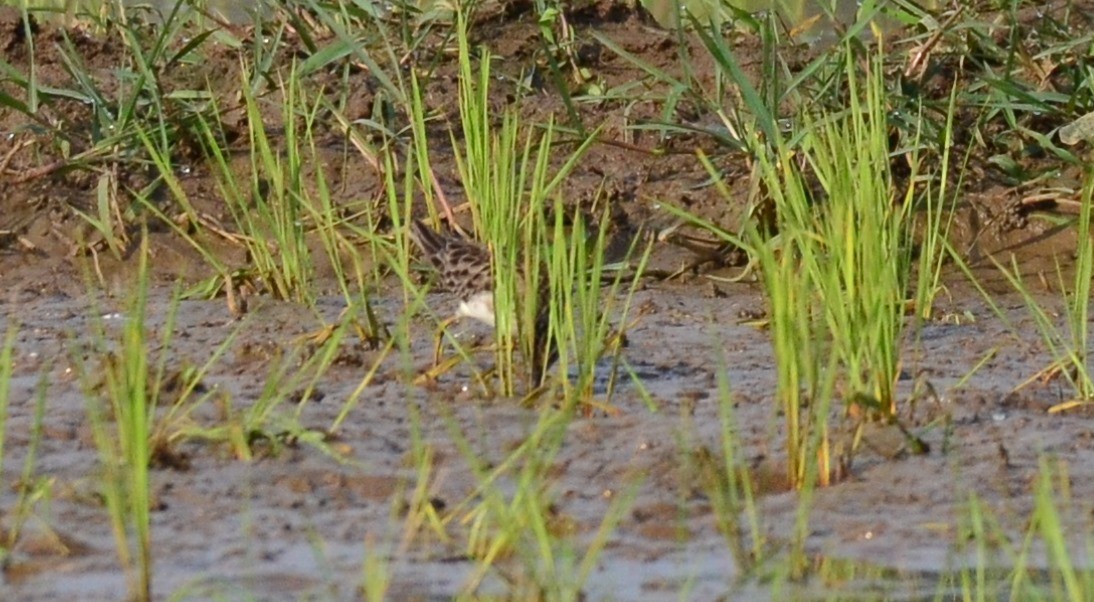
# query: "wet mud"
(295, 522)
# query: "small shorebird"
(464, 269)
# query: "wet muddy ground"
(298, 523)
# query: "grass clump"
(132, 426)
(546, 277)
(268, 209)
(1068, 345)
(1046, 563)
(30, 489)
(837, 260)
(122, 428)
(837, 272)
(515, 529)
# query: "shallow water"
(299, 522)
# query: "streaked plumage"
(463, 268)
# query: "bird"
(464, 268)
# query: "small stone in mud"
(691, 397)
(752, 314)
(166, 456)
(298, 397)
(713, 291)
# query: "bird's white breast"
(479, 307)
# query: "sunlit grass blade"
(1067, 345)
(126, 397)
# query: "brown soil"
(298, 523)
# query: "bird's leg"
(438, 338)
(439, 365)
(442, 364)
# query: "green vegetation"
(123, 426)
(854, 182)
(1068, 346)
(32, 490)
(507, 189)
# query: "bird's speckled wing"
(463, 265)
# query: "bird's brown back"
(463, 265)
(464, 269)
